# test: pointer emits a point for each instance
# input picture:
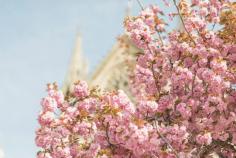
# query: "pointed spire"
(77, 66)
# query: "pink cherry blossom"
(183, 94)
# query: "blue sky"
(36, 41)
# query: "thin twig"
(108, 138)
(158, 32)
(156, 82)
(205, 150)
(140, 4)
(193, 83)
(213, 27)
(182, 20)
(160, 38)
(165, 140)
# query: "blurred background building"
(112, 73)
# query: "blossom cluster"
(189, 75)
(185, 103)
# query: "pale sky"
(36, 40)
(1, 153)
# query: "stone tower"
(78, 69)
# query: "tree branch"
(140, 4)
(166, 141)
(182, 20)
(216, 143)
(158, 32)
(108, 138)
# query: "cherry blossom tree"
(184, 90)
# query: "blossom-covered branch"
(183, 87)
